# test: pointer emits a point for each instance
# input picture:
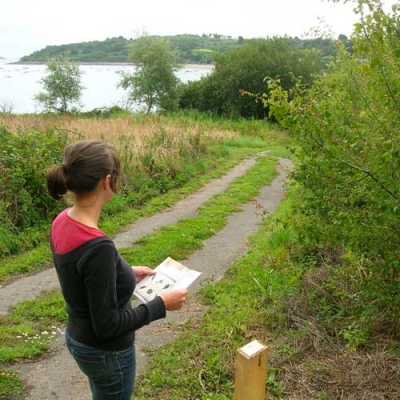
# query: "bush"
(348, 127)
(24, 201)
(244, 69)
(106, 112)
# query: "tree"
(153, 84)
(62, 86)
(348, 127)
(244, 69)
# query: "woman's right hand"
(174, 299)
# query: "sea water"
(19, 83)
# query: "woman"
(96, 282)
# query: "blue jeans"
(111, 374)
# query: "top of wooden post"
(252, 348)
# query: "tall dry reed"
(139, 128)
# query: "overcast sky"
(30, 25)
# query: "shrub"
(24, 201)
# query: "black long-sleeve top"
(97, 285)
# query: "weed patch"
(10, 385)
(27, 333)
(30, 327)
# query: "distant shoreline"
(190, 66)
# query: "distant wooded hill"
(189, 49)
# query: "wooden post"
(251, 370)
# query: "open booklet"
(170, 274)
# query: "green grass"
(27, 333)
(22, 264)
(245, 305)
(28, 330)
(10, 385)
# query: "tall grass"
(158, 153)
(137, 127)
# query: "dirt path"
(56, 376)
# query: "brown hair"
(84, 164)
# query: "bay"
(19, 83)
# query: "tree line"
(153, 85)
(188, 49)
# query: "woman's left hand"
(141, 272)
